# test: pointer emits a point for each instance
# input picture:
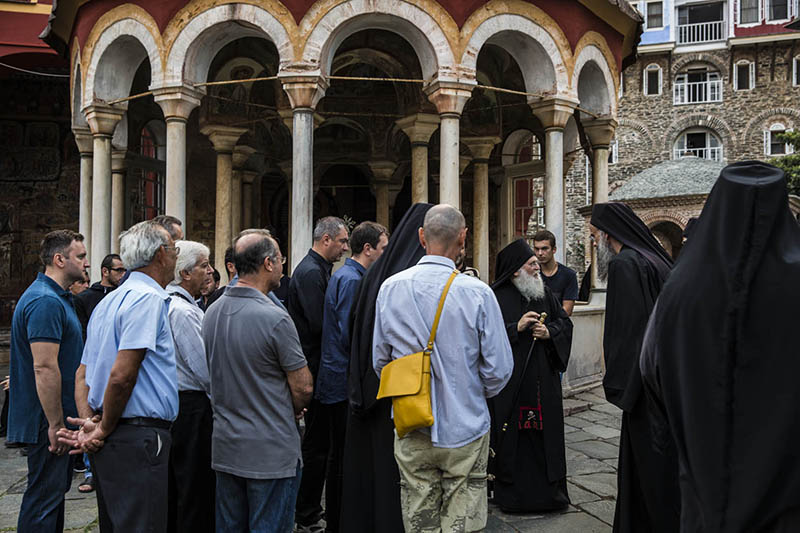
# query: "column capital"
(222, 137)
(481, 147)
(419, 127)
(118, 162)
(177, 102)
(83, 138)
(249, 176)
(382, 170)
(449, 97)
(600, 131)
(303, 91)
(103, 119)
(241, 153)
(554, 112)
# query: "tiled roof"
(678, 177)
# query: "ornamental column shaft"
(449, 99)
(304, 93)
(177, 104)
(102, 121)
(83, 138)
(248, 179)
(481, 148)
(224, 139)
(554, 113)
(419, 128)
(117, 197)
(240, 156)
(382, 172)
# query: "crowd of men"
(200, 408)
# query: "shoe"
(79, 469)
(87, 486)
(15, 444)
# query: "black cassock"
(529, 465)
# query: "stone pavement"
(592, 438)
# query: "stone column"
(382, 172)
(177, 104)
(304, 93)
(600, 132)
(481, 148)
(286, 168)
(118, 166)
(240, 156)
(102, 121)
(83, 138)
(224, 139)
(419, 128)
(248, 178)
(257, 219)
(449, 99)
(554, 113)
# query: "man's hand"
(56, 447)
(527, 321)
(300, 414)
(88, 438)
(4, 383)
(540, 331)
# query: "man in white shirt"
(443, 468)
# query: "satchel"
(407, 381)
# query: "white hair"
(605, 253)
(190, 254)
(531, 286)
(139, 244)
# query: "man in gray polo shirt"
(260, 385)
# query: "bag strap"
(439, 310)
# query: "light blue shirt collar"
(437, 260)
(174, 288)
(141, 277)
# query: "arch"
(116, 56)
(537, 53)
(655, 217)
(200, 40)
(591, 72)
(758, 122)
(716, 124)
(76, 92)
(409, 21)
(158, 128)
(512, 144)
(637, 126)
(687, 59)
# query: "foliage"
(790, 164)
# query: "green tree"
(790, 164)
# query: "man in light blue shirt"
(443, 468)
(127, 387)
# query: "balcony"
(713, 153)
(703, 32)
(698, 92)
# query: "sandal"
(87, 486)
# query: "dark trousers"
(262, 505)
(316, 442)
(132, 471)
(49, 478)
(337, 422)
(191, 479)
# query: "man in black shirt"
(305, 303)
(112, 273)
(560, 279)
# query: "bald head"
(250, 250)
(443, 225)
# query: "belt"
(145, 422)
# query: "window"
(698, 142)
(697, 85)
(749, 11)
(701, 23)
(772, 144)
(796, 71)
(777, 10)
(524, 204)
(744, 75)
(147, 173)
(529, 150)
(654, 15)
(613, 152)
(652, 80)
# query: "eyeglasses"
(176, 248)
(119, 270)
(281, 259)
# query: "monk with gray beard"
(527, 434)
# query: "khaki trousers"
(442, 489)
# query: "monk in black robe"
(371, 481)
(721, 359)
(636, 267)
(529, 465)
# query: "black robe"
(371, 480)
(721, 360)
(529, 465)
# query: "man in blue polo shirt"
(46, 345)
(367, 243)
(128, 377)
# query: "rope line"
(26, 71)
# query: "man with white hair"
(191, 479)
(529, 467)
(126, 387)
(443, 468)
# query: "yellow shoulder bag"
(407, 381)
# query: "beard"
(530, 286)
(605, 253)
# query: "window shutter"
(736, 77)
(789, 146)
(766, 142)
(660, 81)
(644, 81)
(752, 75)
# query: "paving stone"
(587, 465)
(614, 441)
(578, 496)
(9, 510)
(603, 484)
(564, 523)
(576, 422)
(572, 406)
(569, 429)
(578, 436)
(495, 525)
(596, 449)
(611, 421)
(602, 509)
(592, 416)
(611, 462)
(604, 432)
(608, 408)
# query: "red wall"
(761, 29)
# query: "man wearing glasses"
(112, 272)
